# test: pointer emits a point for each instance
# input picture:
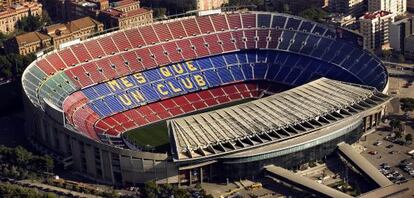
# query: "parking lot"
(379, 149)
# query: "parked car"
(373, 152)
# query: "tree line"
(12, 65)
(22, 164)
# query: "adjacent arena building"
(203, 98)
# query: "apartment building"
(10, 15)
(374, 26)
(398, 7)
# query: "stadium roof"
(294, 112)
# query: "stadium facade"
(315, 87)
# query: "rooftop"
(30, 37)
(376, 14)
(119, 14)
(271, 119)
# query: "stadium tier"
(128, 79)
(128, 69)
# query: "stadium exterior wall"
(109, 164)
(94, 160)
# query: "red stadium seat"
(163, 32)
(121, 41)
(234, 21)
(149, 35)
(108, 45)
(94, 48)
(205, 24)
(134, 36)
(177, 29)
(81, 53)
(220, 22)
(191, 27)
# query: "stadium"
(206, 97)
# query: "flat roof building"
(374, 26)
(9, 16)
(398, 7)
(399, 30)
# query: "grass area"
(155, 136)
(150, 136)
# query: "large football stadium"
(203, 97)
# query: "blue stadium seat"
(203, 63)
(101, 108)
(225, 75)
(218, 61)
(332, 51)
(247, 71)
(90, 93)
(102, 89)
(299, 40)
(237, 73)
(278, 22)
(286, 39)
(293, 24)
(306, 26)
(330, 33)
(263, 20)
(251, 57)
(153, 75)
(242, 57)
(318, 30)
(309, 44)
(150, 93)
(292, 76)
(283, 72)
(321, 47)
(231, 58)
(262, 56)
(259, 70)
(212, 78)
(115, 104)
(272, 72)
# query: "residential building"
(409, 47)
(355, 8)
(342, 20)
(28, 43)
(9, 16)
(55, 35)
(374, 26)
(73, 9)
(400, 30)
(210, 4)
(125, 14)
(410, 6)
(398, 7)
(80, 29)
(8, 3)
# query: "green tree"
(159, 12)
(401, 58)
(44, 163)
(29, 23)
(45, 19)
(386, 54)
(395, 124)
(408, 138)
(286, 9)
(407, 105)
(314, 14)
(151, 190)
(21, 156)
